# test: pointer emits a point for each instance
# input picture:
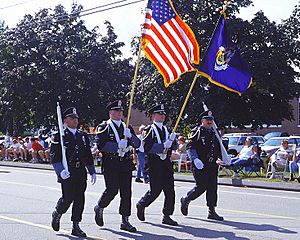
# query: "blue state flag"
(223, 64)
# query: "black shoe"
(169, 221)
(298, 179)
(76, 231)
(99, 216)
(184, 206)
(140, 212)
(138, 180)
(213, 215)
(125, 225)
(55, 220)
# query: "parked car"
(271, 145)
(276, 134)
(236, 141)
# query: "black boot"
(140, 212)
(184, 206)
(99, 215)
(291, 177)
(76, 231)
(55, 220)
(125, 225)
(213, 215)
(169, 221)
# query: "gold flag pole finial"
(224, 8)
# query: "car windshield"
(260, 140)
(273, 142)
(233, 140)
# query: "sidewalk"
(251, 183)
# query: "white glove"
(93, 178)
(127, 133)
(64, 174)
(167, 144)
(198, 163)
(172, 136)
(122, 144)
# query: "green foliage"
(53, 54)
(271, 51)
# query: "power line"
(17, 4)
(64, 17)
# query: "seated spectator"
(280, 157)
(36, 150)
(17, 150)
(181, 148)
(245, 157)
(2, 151)
(294, 166)
(27, 146)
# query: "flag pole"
(185, 102)
(133, 84)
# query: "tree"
(264, 44)
(53, 54)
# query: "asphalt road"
(28, 197)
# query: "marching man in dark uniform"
(73, 183)
(204, 151)
(158, 145)
(117, 163)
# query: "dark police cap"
(115, 105)
(160, 108)
(70, 112)
(207, 115)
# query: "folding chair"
(182, 161)
(281, 169)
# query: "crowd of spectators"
(27, 149)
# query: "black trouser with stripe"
(161, 180)
(116, 181)
(73, 190)
(206, 181)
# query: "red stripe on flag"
(178, 48)
(162, 55)
(158, 65)
(190, 37)
(167, 46)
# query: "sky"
(127, 20)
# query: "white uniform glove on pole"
(225, 157)
(64, 174)
(61, 135)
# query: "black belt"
(75, 164)
(114, 154)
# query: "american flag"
(168, 42)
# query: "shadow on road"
(141, 235)
(250, 226)
(200, 233)
(4, 171)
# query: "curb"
(186, 178)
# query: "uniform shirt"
(151, 145)
(204, 145)
(107, 144)
(77, 150)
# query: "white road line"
(43, 226)
(241, 192)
